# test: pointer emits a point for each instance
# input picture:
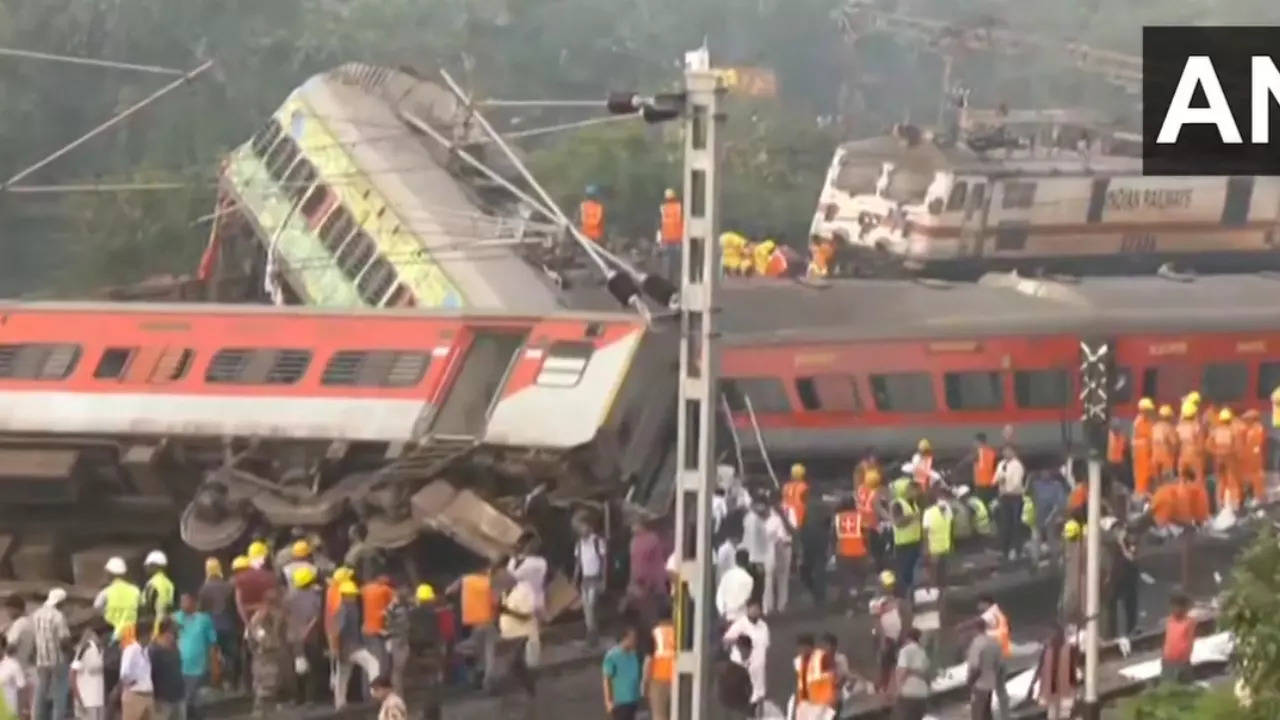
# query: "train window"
(38, 361)
(1225, 382)
(281, 157)
(834, 393)
(355, 254)
(1012, 236)
(1019, 195)
(258, 366)
(1169, 381)
(974, 390)
(1041, 388)
(564, 364)
(335, 228)
(317, 198)
(299, 178)
(400, 297)
(903, 392)
(375, 368)
(265, 137)
(1122, 386)
(172, 365)
(113, 362)
(958, 193)
(767, 395)
(376, 280)
(1268, 379)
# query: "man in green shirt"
(621, 670)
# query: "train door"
(1012, 201)
(482, 375)
(1235, 210)
(975, 217)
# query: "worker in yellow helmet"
(732, 251)
(347, 643)
(921, 466)
(299, 557)
(257, 553)
(305, 603)
(217, 594)
(760, 256)
(1164, 445)
(887, 627)
(413, 640)
(333, 597)
(1140, 446)
(795, 496)
(1190, 439)
(1222, 450)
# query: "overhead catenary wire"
(93, 62)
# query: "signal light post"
(1096, 362)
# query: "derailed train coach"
(117, 420)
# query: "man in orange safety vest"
(671, 234)
(1141, 446)
(591, 216)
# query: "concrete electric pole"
(1095, 399)
(699, 373)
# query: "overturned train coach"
(240, 420)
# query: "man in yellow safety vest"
(906, 538)
(118, 601)
(937, 530)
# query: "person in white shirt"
(530, 567)
(1010, 481)
(735, 590)
(745, 654)
(519, 620)
(137, 697)
(753, 625)
(13, 680)
(726, 557)
(760, 535)
(589, 565)
(777, 585)
(87, 681)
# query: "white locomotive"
(1035, 190)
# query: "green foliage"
(1180, 702)
(1253, 616)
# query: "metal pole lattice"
(699, 370)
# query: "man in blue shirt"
(621, 671)
(196, 640)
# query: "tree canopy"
(499, 48)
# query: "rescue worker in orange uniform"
(1253, 457)
(851, 545)
(1190, 443)
(659, 668)
(921, 466)
(1141, 445)
(1117, 448)
(1164, 446)
(816, 693)
(872, 503)
(985, 459)
(795, 496)
(1222, 449)
(997, 625)
(1193, 501)
(591, 216)
(671, 234)
(1165, 505)
(821, 251)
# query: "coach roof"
(764, 312)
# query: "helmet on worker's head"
(1188, 410)
(1146, 404)
(1275, 395)
(240, 562)
(888, 579)
(425, 593)
(156, 558)
(797, 471)
(924, 445)
(592, 191)
(768, 245)
(1071, 530)
(343, 574)
(301, 549)
(304, 576)
(212, 567)
(1225, 415)
(257, 550)
(669, 194)
(348, 588)
(1166, 411)
(1193, 397)
(116, 566)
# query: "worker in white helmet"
(157, 594)
(118, 601)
